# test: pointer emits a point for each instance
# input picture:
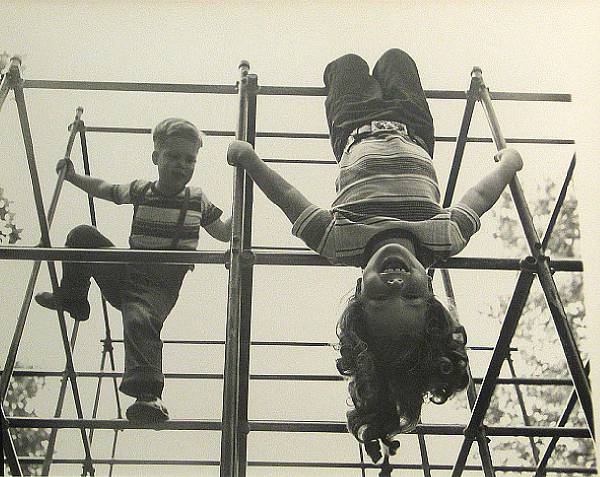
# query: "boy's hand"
(510, 158)
(70, 169)
(240, 153)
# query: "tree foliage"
(540, 352)
(22, 389)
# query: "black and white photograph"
(312, 238)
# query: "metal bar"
(300, 343)
(45, 240)
(460, 143)
(482, 440)
(288, 426)
(559, 202)
(59, 405)
(311, 135)
(279, 377)
(264, 90)
(4, 88)
(230, 461)
(543, 462)
(296, 464)
(523, 407)
(73, 130)
(261, 257)
(107, 342)
(247, 275)
(131, 87)
(8, 448)
(555, 306)
(507, 331)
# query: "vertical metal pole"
(555, 305)
(234, 423)
(4, 88)
(247, 284)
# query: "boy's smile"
(176, 161)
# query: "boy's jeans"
(144, 293)
(393, 92)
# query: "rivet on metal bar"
(247, 258)
(529, 264)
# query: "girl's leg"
(350, 87)
(398, 76)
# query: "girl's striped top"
(386, 186)
(156, 216)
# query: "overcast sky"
(526, 47)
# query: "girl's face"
(395, 290)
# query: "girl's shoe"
(147, 409)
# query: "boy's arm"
(484, 195)
(92, 185)
(276, 188)
(221, 230)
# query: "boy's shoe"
(147, 409)
(79, 310)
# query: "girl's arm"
(484, 195)
(276, 188)
(92, 185)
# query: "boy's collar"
(156, 190)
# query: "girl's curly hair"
(390, 379)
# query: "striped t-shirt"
(387, 186)
(156, 216)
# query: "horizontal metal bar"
(276, 377)
(286, 426)
(284, 343)
(131, 87)
(296, 464)
(263, 90)
(261, 257)
(310, 135)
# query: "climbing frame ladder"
(241, 259)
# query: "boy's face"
(395, 290)
(176, 161)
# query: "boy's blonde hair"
(175, 127)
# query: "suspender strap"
(181, 220)
(140, 197)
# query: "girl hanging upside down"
(398, 343)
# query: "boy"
(167, 215)
(398, 344)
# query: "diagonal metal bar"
(543, 462)
(107, 348)
(559, 202)
(461, 142)
(7, 447)
(521, 400)
(73, 130)
(555, 305)
(482, 440)
(4, 88)
(44, 226)
(509, 325)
